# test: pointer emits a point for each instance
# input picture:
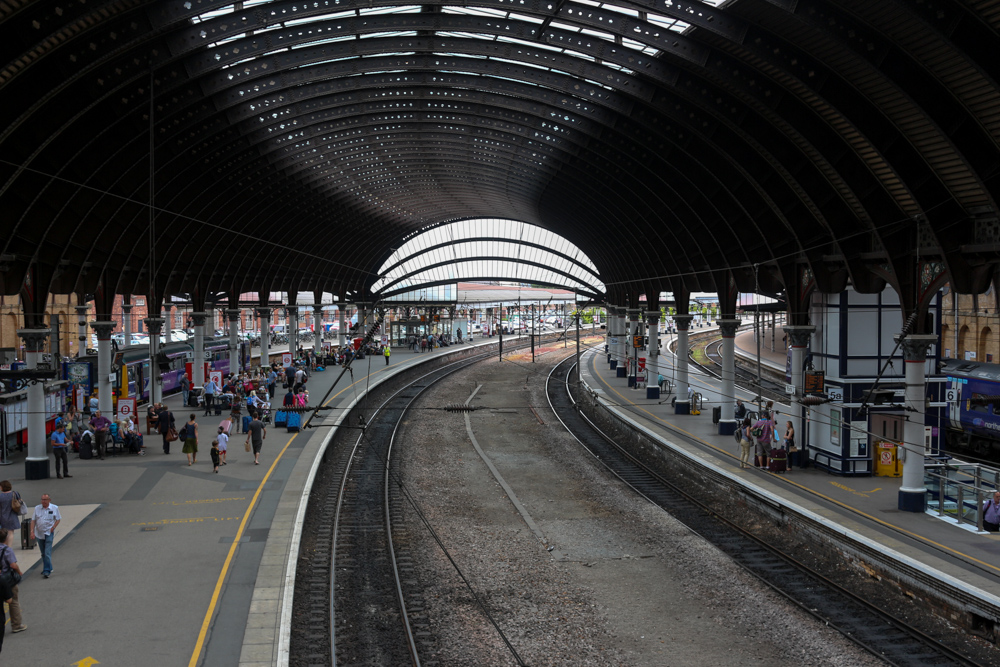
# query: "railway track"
(883, 635)
(744, 379)
(352, 603)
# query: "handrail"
(976, 487)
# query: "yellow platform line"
(806, 489)
(207, 622)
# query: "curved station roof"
(768, 145)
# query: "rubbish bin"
(195, 396)
(716, 414)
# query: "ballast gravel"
(623, 584)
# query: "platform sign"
(286, 359)
(216, 377)
(951, 395)
(790, 389)
(814, 383)
(835, 394)
(126, 408)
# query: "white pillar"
(265, 336)
(634, 329)
(342, 320)
(317, 328)
(81, 328)
(912, 494)
(36, 464)
(798, 339)
(233, 315)
(198, 367)
(168, 324)
(683, 405)
(727, 421)
(127, 323)
(652, 353)
(293, 329)
(105, 399)
(154, 325)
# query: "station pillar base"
(652, 392)
(36, 469)
(631, 380)
(613, 363)
(727, 427)
(682, 408)
(912, 501)
(620, 370)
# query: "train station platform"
(160, 564)
(863, 509)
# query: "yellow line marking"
(199, 502)
(198, 519)
(805, 489)
(849, 489)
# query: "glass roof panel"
(450, 251)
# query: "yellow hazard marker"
(86, 662)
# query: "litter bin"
(195, 396)
(716, 414)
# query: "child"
(215, 456)
(223, 443)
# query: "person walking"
(8, 562)
(185, 388)
(256, 433)
(386, 353)
(223, 439)
(215, 456)
(191, 440)
(165, 422)
(745, 439)
(44, 523)
(60, 449)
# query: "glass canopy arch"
(487, 249)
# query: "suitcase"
(86, 448)
(246, 423)
(294, 421)
(218, 410)
(778, 461)
(27, 535)
(280, 418)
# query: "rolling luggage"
(27, 535)
(778, 461)
(246, 423)
(280, 418)
(86, 447)
(294, 421)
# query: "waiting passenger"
(991, 513)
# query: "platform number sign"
(126, 408)
(951, 395)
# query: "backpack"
(757, 431)
(183, 433)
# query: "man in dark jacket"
(165, 421)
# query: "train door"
(143, 381)
(953, 399)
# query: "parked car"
(179, 335)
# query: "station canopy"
(486, 249)
(213, 147)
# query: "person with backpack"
(745, 443)
(10, 576)
(189, 435)
(762, 432)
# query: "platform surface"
(866, 505)
(158, 563)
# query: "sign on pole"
(216, 377)
(126, 408)
(286, 359)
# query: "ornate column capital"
(914, 346)
(264, 313)
(82, 309)
(155, 325)
(799, 335)
(728, 327)
(103, 329)
(652, 317)
(199, 318)
(233, 315)
(683, 322)
(127, 307)
(34, 339)
(634, 314)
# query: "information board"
(814, 383)
(126, 408)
